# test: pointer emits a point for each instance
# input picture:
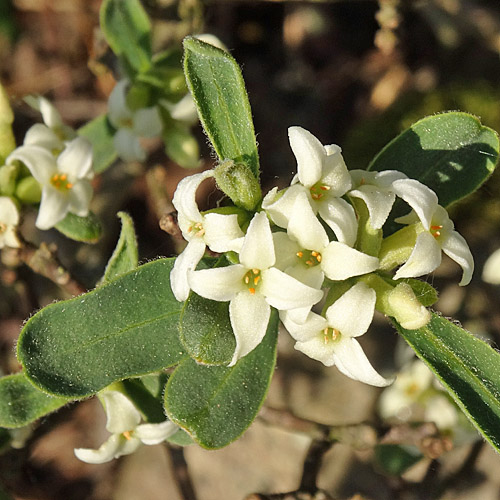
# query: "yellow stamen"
(300, 255)
(252, 291)
(318, 257)
(127, 435)
(325, 188)
(256, 271)
(247, 280)
(256, 280)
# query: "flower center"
(252, 279)
(309, 258)
(197, 229)
(127, 435)
(60, 182)
(319, 190)
(436, 231)
(3, 227)
(331, 335)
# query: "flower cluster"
(321, 238)
(60, 163)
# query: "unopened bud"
(8, 176)
(239, 183)
(28, 190)
(406, 308)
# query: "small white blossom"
(491, 269)
(9, 219)
(379, 190)
(438, 234)
(252, 287)
(220, 232)
(131, 125)
(323, 176)
(127, 433)
(331, 339)
(65, 179)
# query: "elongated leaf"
(87, 229)
(127, 29)
(215, 81)
(22, 403)
(100, 134)
(215, 404)
(468, 368)
(125, 328)
(206, 332)
(125, 256)
(452, 153)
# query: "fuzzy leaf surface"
(216, 404)
(466, 366)
(125, 328)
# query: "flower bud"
(239, 183)
(8, 176)
(28, 190)
(406, 308)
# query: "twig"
(181, 473)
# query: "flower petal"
(352, 361)
(155, 433)
(43, 136)
(310, 154)
(278, 204)
(286, 250)
(284, 292)
(379, 203)
(340, 262)
(76, 159)
(222, 232)
(118, 110)
(79, 198)
(127, 145)
(424, 258)
(455, 247)
(341, 218)
(316, 348)
(220, 284)
(9, 214)
(147, 122)
(422, 199)
(335, 174)
(257, 251)
(352, 313)
(184, 263)
(307, 330)
(40, 162)
(305, 227)
(249, 316)
(121, 414)
(53, 208)
(110, 449)
(184, 200)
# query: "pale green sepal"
(86, 229)
(368, 239)
(216, 404)
(28, 190)
(466, 366)
(125, 256)
(8, 177)
(406, 308)
(7, 140)
(22, 403)
(397, 248)
(215, 81)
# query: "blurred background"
(354, 73)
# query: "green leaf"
(468, 368)
(452, 153)
(206, 332)
(216, 404)
(125, 256)
(125, 328)
(87, 229)
(127, 29)
(215, 81)
(100, 133)
(395, 459)
(22, 403)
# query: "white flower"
(252, 287)
(9, 219)
(65, 179)
(323, 175)
(131, 125)
(220, 232)
(331, 340)
(127, 434)
(379, 189)
(438, 234)
(491, 270)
